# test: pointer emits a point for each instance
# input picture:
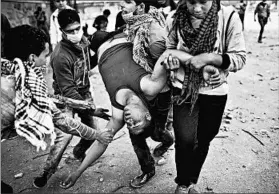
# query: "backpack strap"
(228, 24)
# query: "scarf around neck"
(201, 40)
(33, 116)
(138, 27)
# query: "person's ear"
(32, 57)
(148, 116)
(141, 8)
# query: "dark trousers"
(156, 131)
(263, 22)
(193, 134)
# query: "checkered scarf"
(198, 41)
(33, 117)
(138, 27)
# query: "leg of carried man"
(84, 144)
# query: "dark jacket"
(70, 64)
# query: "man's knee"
(185, 142)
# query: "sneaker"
(41, 181)
(140, 180)
(260, 41)
(79, 155)
(160, 150)
(180, 189)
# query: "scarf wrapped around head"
(138, 27)
(201, 40)
(33, 117)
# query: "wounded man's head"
(137, 117)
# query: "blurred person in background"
(241, 8)
(119, 23)
(100, 23)
(166, 6)
(41, 19)
(106, 13)
(263, 11)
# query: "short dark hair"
(106, 12)
(67, 16)
(99, 20)
(25, 40)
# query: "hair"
(25, 40)
(106, 12)
(181, 2)
(172, 4)
(138, 113)
(39, 8)
(147, 4)
(67, 16)
(99, 20)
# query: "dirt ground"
(236, 163)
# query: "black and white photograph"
(139, 96)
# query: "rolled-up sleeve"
(235, 42)
(172, 39)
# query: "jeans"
(63, 139)
(156, 130)
(193, 134)
(263, 22)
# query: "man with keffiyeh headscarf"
(25, 104)
(213, 35)
(70, 62)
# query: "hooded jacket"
(70, 64)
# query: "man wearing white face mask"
(70, 62)
(54, 30)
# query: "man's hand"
(104, 136)
(70, 181)
(211, 76)
(198, 61)
(101, 112)
(171, 63)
